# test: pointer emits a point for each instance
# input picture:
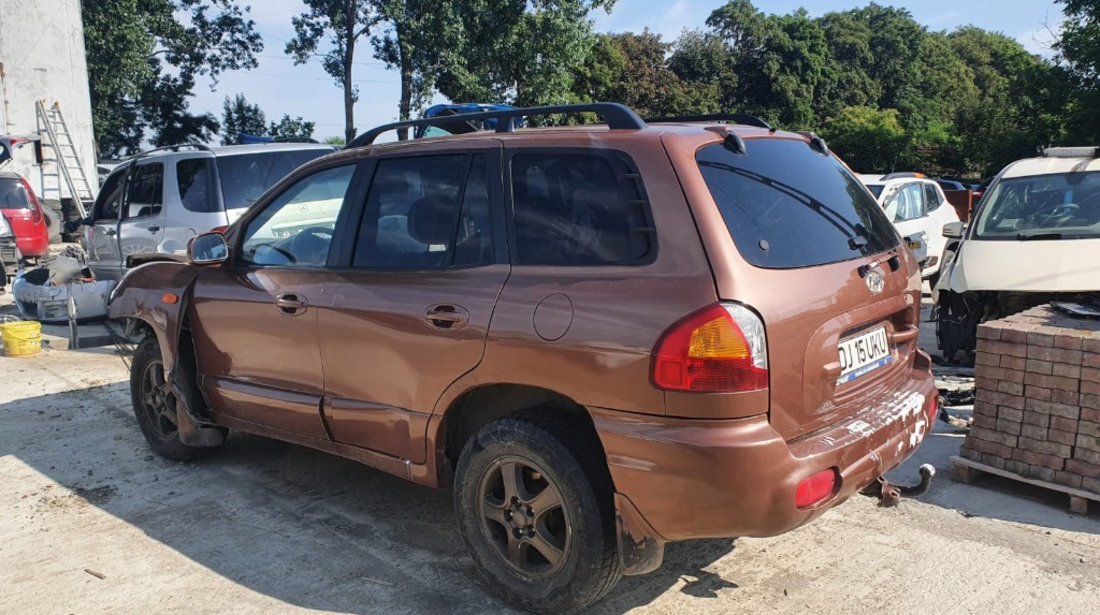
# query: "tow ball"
(889, 494)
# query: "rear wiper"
(1027, 236)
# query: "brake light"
(933, 406)
(36, 209)
(721, 348)
(815, 488)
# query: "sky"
(278, 86)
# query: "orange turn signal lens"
(169, 298)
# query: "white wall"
(42, 58)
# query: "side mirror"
(207, 249)
(953, 230)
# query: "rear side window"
(12, 194)
(931, 197)
(579, 209)
(244, 177)
(195, 181)
(787, 206)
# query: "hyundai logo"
(875, 283)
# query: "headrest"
(432, 220)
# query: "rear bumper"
(34, 245)
(724, 478)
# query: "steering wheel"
(1057, 215)
(311, 244)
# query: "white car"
(1035, 237)
(918, 209)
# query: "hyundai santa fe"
(602, 338)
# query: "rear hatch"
(826, 271)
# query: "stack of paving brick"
(1037, 408)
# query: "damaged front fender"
(157, 294)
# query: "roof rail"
(618, 117)
(740, 118)
(901, 174)
(173, 148)
(1071, 152)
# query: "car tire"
(956, 328)
(535, 509)
(154, 403)
(53, 223)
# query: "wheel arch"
(477, 406)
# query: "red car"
(24, 213)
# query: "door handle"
(109, 232)
(447, 316)
(153, 229)
(291, 303)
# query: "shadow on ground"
(300, 526)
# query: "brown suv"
(603, 338)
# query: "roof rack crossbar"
(617, 116)
(740, 118)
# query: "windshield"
(1063, 206)
(787, 206)
(244, 177)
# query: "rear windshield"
(12, 194)
(787, 206)
(244, 177)
(876, 189)
(1062, 206)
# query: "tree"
(239, 116)
(1079, 49)
(143, 56)
(521, 52)
(344, 23)
(291, 129)
(417, 37)
(869, 140)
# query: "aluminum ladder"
(51, 124)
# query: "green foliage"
(1079, 47)
(293, 129)
(340, 24)
(867, 139)
(334, 141)
(520, 52)
(239, 116)
(143, 56)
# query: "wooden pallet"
(965, 471)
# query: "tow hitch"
(889, 494)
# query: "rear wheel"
(53, 222)
(537, 514)
(155, 403)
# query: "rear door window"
(787, 206)
(426, 212)
(931, 197)
(579, 209)
(195, 182)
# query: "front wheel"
(155, 403)
(537, 514)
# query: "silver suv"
(157, 200)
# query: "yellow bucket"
(22, 338)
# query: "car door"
(906, 210)
(254, 319)
(101, 236)
(141, 227)
(409, 313)
(940, 212)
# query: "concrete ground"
(92, 522)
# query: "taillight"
(815, 488)
(36, 209)
(933, 406)
(721, 348)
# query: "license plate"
(863, 353)
(914, 245)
